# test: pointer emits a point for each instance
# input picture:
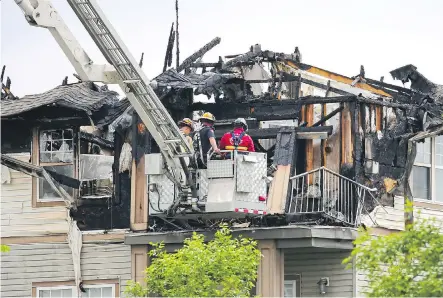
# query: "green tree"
(223, 267)
(4, 248)
(403, 264)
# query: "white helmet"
(241, 122)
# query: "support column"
(139, 196)
(346, 135)
(271, 270)
(139, 262)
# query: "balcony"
(327, 194)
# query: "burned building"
(90, 178)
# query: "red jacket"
(246, 144)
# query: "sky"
(337, 35)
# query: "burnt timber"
(358, 138)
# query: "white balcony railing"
(323, 191)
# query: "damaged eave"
(87, 101)
(427, 134)
(96, 140)
(336, 77)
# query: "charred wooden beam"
(190, 60)
(232, 56)
(266, 109)
(357, 141)
(3, 74)
(96, 140)
(381, 84)
(218, 64)
(168, 55)
(205, 64)
(327, 117)
(323, 114)
(271, 133)
(297, 87)
(299, 79)
(37, 171)
(177, 48)
(384, 103)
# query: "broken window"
(56, 154)
(427, 172)
(56, 146)
(95, 173)
(46, 192)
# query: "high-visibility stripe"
(250, 211)
(241, 148)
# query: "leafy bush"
(223, 267)
(403, 264)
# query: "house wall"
(52, 262)
(392, 218)
(313, 264)
(18, 217)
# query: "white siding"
(46, 262)
(393, 217)
(18, 218)
(314, 264)
(361, 283)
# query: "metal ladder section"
(134, 83)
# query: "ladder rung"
(131, 81)
(182, 155)
(102, 33)
(172, 141)
(91, 18)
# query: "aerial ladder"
(122, 70)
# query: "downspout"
(75, 241)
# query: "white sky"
(337, 35)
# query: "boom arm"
(40, 13)
(124, 70)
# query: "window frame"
(113, 283)
(35, 159)
(295, 279)
(61, 287)
(432, 166)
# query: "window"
(99, 291)
(61, 292)
(55, 152)
(104, 290)
(427, 172)
(292, 287)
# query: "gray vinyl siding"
(52, 262)
(313, 264)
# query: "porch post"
(271, 270)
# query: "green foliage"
(223, 267)
(4, 248)
(403, 264)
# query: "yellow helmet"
(186, 122)
(207, 116)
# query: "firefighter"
(187, 127)
(237, 139)
(204, 139)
